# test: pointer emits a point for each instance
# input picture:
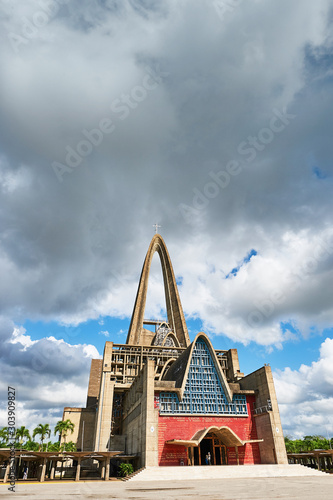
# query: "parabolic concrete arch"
(174, 308)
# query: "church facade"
(164, 400)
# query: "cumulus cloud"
(305, 396)
(47, 375)
(67, 253)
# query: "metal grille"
(127, 360)
(117, 414)
(203, 390)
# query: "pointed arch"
(224, 433)
(172, 336)
(179, 371)
(166, 367)
(174, 308)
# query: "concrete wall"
(105, 403)
(140, 424)
(272, 449)
(233, 371)
(84, 424)
(94, 382)
(118, 443)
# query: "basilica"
(163, 400)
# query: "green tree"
(43, 431)
(308, 443)
(70, 446)
(31, 445)
(3, 437)
(53, 446)
(290, 445)
(21, 434)
(63, 427)
(316, 443)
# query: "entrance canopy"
(225, 434)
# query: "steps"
(130, 476)
(226, 471)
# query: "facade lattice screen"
(203, 390)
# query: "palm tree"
(21, 434)
(62, 427)
(4, 436)
(42, 430)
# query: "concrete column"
(237, 456)
(78, 470)
(104, 415)
(103, 470)
(149, 415)
(5, 479)
(191, 449)
(53, 464)
(39, 471)
(107, 472)
(43, 469)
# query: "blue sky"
(251, 357)
(214, 123)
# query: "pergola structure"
(46, 457)
(322, 459)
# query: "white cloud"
(305, 396)
(105, 333)
(75, 254)
(47, 375)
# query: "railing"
(264, 409)
(128, 360)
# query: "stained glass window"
(203, 393)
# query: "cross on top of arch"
(156, 226)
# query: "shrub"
(125, 469)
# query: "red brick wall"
(176, 427)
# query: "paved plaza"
(289, 488)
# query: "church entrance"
(217, 450)
(220, 453)
(205, 448)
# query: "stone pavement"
(273, 488)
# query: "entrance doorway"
(220, 453)
(206, 446)
(216, 448)
(196, 453)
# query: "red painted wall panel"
(184, 427)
